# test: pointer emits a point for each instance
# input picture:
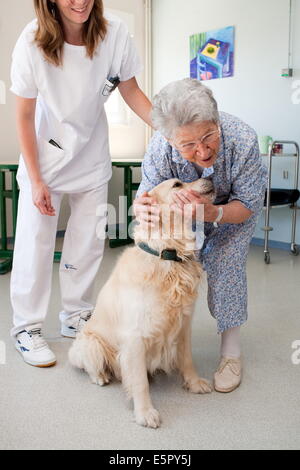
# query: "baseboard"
(272, 244)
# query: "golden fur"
(142, 318)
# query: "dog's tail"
(92, 353)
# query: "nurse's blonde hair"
(50, 37)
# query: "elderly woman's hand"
(146, 210)
(181, 198)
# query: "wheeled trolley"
(276, 197)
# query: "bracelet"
(219, 216)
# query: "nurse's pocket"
(106, 91)
(51, 159)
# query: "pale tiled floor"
(58, 408)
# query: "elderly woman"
(194, 140)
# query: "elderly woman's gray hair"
(181, 103)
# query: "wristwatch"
(219, 216)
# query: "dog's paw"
(198, 385)
(100, 380)
(149, 418)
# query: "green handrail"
(9, 171)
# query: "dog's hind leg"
(88, 352)
(135, 381)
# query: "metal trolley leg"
(267, 228)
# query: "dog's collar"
(169, 255)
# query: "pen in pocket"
(52, 142)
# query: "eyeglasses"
(206, 140)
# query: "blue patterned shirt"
(237, 174)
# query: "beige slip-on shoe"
(229, 374)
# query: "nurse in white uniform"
(65, 65)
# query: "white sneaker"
(76, 326)
(34, 349)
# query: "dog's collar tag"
(168, 255)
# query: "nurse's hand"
(146, 210)
(42, 199)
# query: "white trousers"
(33, 257)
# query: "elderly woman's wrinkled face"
(198, 142)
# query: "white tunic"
(70, 105)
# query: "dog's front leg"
(135, 381)
(191, 379)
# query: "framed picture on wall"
(212, 54)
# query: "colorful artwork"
(212, 54)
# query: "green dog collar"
(168, 255)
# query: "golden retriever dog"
(142, 320)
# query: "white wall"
(14, 15)
(128, 141)
(256, 93)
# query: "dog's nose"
(208, 185)
(203, 185)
